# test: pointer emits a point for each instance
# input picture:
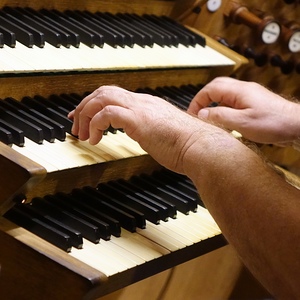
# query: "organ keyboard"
(44, 161)
(125, 41)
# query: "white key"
(16, 64)
(170, 232)
(138, 245)
(98, 259)
(161, 238)
(36, 157)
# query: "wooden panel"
(32, 268)
(18, 175)
(133, 6)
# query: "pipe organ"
(81, 221)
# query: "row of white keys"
(50, 58)
(99, 258)
(73, 153)
(119, 254)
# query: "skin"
(256, 209)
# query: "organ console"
(80, 221)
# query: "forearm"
(257, 211)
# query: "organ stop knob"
(267, 28)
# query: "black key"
(181, 204)
(6, 136)
(109, 37)
(38, 36)
(75, 236)
(154, 21)
(40, 228)
(146, 36)
(151, 213)
(59, 130)
(9, 37)
(86, 36)
(98, 37)
(141, 23)
(63, 102)
(115, 38)
(73, 38)
(171, 207)
(23, 36)
(129, 218)
(182, 37)
(139, 38)
(48, 131)
(121, 186)
(65, 38)
(73, 98)
(65, 201)
(114, 224)
(128, 38)
(50, 104)
(88, 230)
(173, 190)
(172, 96)
(194, 37)
(1, 39)
(51, 36)
(172, 39)
(31, 131)
(49, 112)
(180, 184)
(17, 134)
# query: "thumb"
(228, 117)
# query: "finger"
(74, 115)
(117, 117)
(232, 119)
(92, 107)
(222, 90)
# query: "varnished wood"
(134, 6)
(18, 175)
(47, 84)
(66, 180)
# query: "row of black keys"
(64, 219)
(39, 118)
(31, 27)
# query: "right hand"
(249, 108)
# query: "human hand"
(249, 108)
(161, 129)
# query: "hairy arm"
(257, 211)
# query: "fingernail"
(203, 113)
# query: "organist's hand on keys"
(159, 127)
(249, 108)
(256, 209)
